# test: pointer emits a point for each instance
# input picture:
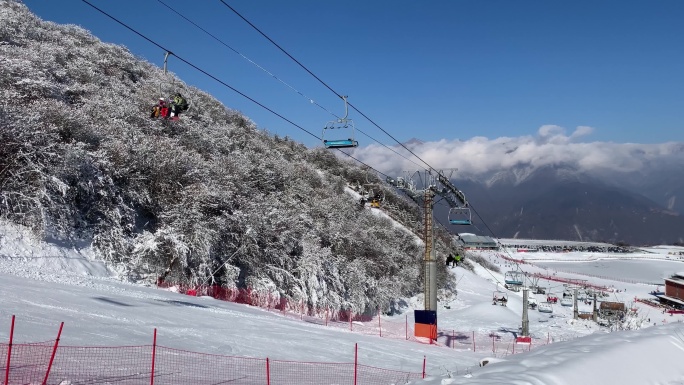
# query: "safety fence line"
(535, 261)
(572, 281)
(510, 259)
(650, 303)
(369, 324)
(606, 277)
(548, 277)
(366, 323)
(614, 278)
(494, 343)
(51, 363)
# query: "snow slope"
(44, 284)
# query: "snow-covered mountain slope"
(207, 197)
(98, 310)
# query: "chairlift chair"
(165, 86)
(514, 277)
(364, 195)
(342, 124)
(460, 216)
(375, 194)
(566, 301)
(499, 298)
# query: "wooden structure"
(612, 311)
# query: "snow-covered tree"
(208, 198)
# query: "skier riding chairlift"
(178, 105)
(160, 109)
(177, 102)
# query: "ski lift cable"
(328, 87)
(248, 97)
(222, 82)
(248, 59)
(351, 105)
(321, 81)
(312, 101)
(169, 52)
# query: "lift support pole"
(525, 319)
(430, 262)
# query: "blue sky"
(430, 70)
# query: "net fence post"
(268, 372)
(9, 352)
(356, 361)
(154, 354)
(379, 324)
(473, 341)
(54, 351)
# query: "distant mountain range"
(564, 203)
(601, 192)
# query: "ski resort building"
(612, 311)
(472, 241)
(674, 291)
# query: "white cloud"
(550, 147)
(581, 131)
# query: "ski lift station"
(472, 241)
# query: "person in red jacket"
(161, 109)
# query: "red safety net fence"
(129, 365)
(499, 344)
(29, 362)
(493, 343)
(365, 323)
(572, 281)
(373, 324)
(50, 363)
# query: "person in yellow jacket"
(178, 105)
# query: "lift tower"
(429, 260)
(424, 197)
(435, 183)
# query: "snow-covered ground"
(381, 213)
(44, 284)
